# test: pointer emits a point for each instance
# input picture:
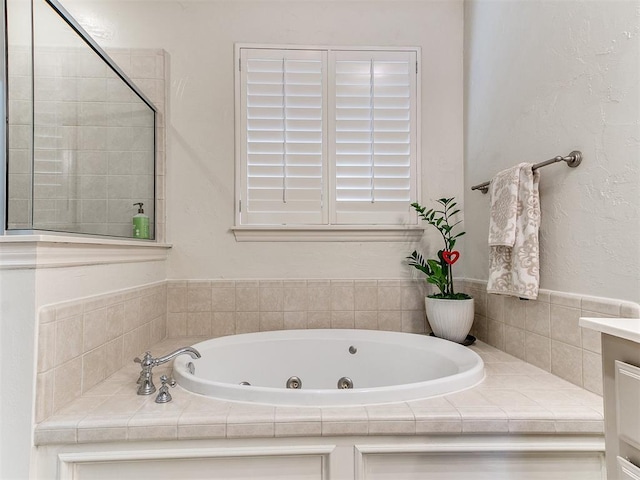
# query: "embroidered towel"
(514, 264)
(504, 202)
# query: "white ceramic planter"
(450, 319)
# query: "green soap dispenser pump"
(140, 223)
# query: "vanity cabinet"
(621, 381)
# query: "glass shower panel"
(20, 114)
(93, 150)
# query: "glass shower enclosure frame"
(91, 131)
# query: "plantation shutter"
(283, 145)
(374, 146)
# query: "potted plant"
(450, 314)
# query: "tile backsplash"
(82, 342)
(225, 307)
(545, 332)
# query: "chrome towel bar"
(573, 160)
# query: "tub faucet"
(147, 362)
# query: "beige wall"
(542, 79)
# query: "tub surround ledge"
(515, 398)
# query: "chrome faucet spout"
(192, 352)
(147, 362)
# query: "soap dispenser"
(140, 223)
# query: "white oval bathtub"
(386, 367)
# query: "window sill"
(53, 251)
(322, 233)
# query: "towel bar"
(573, 160)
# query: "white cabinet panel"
(214, 464)
(304, 468)
(627, 470)
(441, 457)
(483, 466)
(628, 402)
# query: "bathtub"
(383, 367)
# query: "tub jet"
(294, 382)
(345, 383)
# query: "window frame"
(412, 230)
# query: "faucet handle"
(167, 380)
(163, 392)
(146, 359)
(145, 379)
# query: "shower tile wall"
(19, 137)
(88, 167)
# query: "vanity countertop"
(627, 328)
(514, 398)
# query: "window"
(327, 137)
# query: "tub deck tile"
(532, 426)
(344, 414)
(204, 431)
(250, 430)
(298, 429)
(436, 414)
(298, 422)
(251, 414)
(344, 428)
(392, 427)
(485, 426)
(55, 436)
(526, 413)
(139, 420)
(102, 434)
(515, 398)
(153, 432)
(450, 425)
(391, 419)
(298, 414)
(398, 412)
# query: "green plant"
(439, 271)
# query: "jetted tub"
(383, 367)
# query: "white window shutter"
(283, 142)
(373, 141)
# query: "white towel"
(514, 264)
